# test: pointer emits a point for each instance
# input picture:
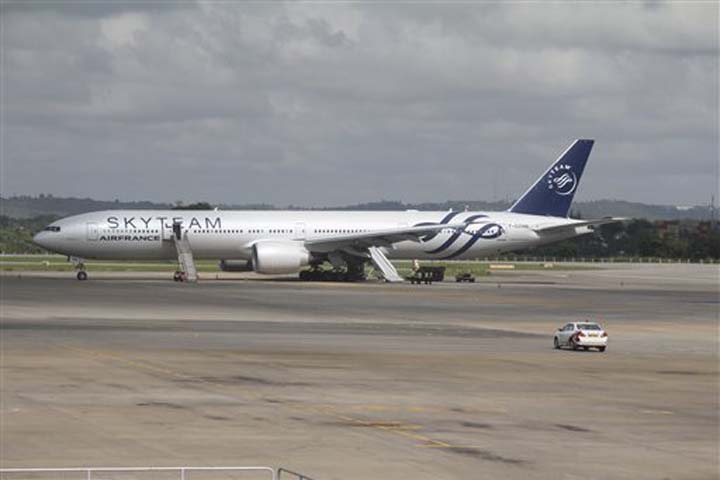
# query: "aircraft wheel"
(82, 275)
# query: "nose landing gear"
(79, 265)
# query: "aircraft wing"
(377, 238)
(571, 226)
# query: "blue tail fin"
(553, 192)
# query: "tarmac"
(366, 380)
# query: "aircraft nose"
(46, 240)
(41, 239)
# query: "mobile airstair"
(185, 255)
(382, 263)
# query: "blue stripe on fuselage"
(448, 243)
(444, 221)
(476, 236)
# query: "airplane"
(285, 242)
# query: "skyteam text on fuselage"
(279, 242)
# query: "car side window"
(569, 327)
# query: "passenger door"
(299, 233)
(166, 231)
(92, 231)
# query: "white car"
(583, 335)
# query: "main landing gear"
(79, 265)
(352, 272)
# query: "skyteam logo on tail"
(562, 179)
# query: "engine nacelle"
(279, 257)
(236, 265)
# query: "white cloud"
(121, 30)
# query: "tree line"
(690, 239)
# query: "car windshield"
(589, 326)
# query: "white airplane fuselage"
(147, 234)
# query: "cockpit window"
(52, 228)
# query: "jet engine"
(279, 257)
(236, 266)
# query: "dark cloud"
(93, 8)
(321, 104)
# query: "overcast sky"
(337, 103)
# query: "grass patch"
(482, 268)
(58, 263)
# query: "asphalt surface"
(360, 381)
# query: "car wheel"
(601, 349)
(556, 343)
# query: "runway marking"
(376, 408)
(452, 446)
(394, 427)
(397, 428)
(657, 412)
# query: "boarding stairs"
(185, 255)
(382, 263)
